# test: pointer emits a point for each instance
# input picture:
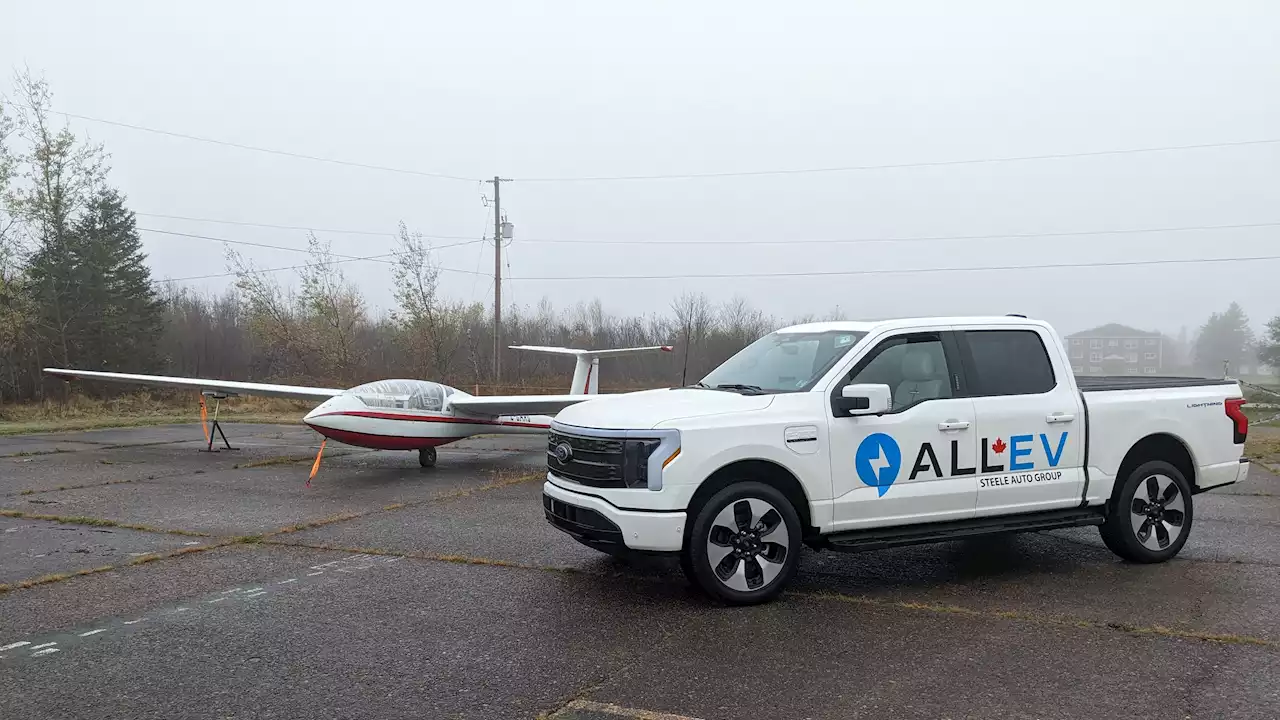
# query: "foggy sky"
(555, 89)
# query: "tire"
(740, 558)
(427, 457)
(1150, 516)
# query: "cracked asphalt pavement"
(145, 579)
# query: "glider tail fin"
(586, 371)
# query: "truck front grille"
(597, 462)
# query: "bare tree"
(270, 319)
(332, 310)
(15, 311)
(695, 319)
(427, 324)
(8, 170)
(60, 173)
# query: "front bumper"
(596, 522)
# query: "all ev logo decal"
(878, 461)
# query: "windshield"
(783, 362)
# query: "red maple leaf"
(998, 446)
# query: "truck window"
(913, 366)
(1008, 362)
(784, 362)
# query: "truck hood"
(650, 408)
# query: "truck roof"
(895, 323)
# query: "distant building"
(1115, 349)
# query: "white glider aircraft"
(403, 414)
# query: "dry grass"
(140, 409)
(1263, 446)
(152, 557)
(290, 459)
(1263, 440)
(142, 560)
(96, 522)
(278, 460)
(79, 487)
(35, 453)
(311, 525)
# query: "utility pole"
(497, 278)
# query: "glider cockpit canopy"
(403, 394)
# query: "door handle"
(1060, 418)
(953, 425)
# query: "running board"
(880, 538)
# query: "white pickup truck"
(863, 435)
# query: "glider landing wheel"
(427, 457)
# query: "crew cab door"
(915, 463)
(1031, 426)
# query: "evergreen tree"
(1225, 337)
(1269, 352)
(126, 310)
(93, 290)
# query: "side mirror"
(862, 399)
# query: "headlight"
(635, 462)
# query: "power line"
(269, 225)
(480, 255)
(681, 176)
(927, 238)
(908, 271)
(785, 241)
(284, 247)
(306, 228)
(895, 166)
(255, 244)
(343, 259)
(708, 276)
(256, 271)
(255, 148)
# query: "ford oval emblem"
(564, 453)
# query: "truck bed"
(1101, 383)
